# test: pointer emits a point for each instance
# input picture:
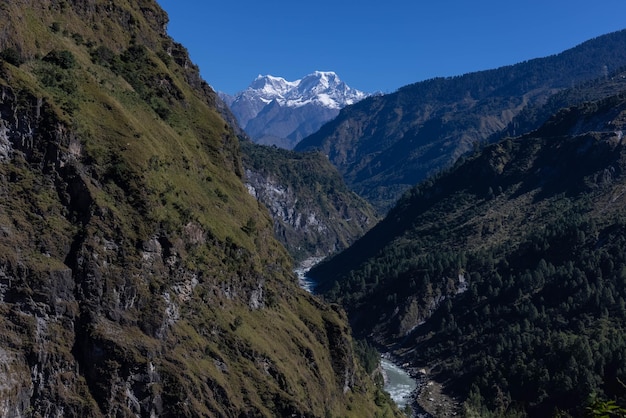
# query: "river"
(305, 282)
(398, 383)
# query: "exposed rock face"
(37, 290)
(137, 275)
(282, 203)
(314, 213)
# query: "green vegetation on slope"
(386, 144)
(314, 212)
(131, 282)
(504, 277)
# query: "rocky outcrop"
(314, 213)
(137, 275)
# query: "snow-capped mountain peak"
(324, 87)
(270, 86)
(320, 79)
(316, 98)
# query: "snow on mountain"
(275, 111)
(271, 87)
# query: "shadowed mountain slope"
(314, 212)
(383, 145)
(504, 277)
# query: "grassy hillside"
(131, 280)
(503, 278)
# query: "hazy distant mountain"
(385, 144)
(274, 111)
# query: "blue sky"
(381, 45)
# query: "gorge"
(471, 227)
(398, 382)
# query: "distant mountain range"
(385, 144)
(274, 111)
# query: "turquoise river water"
(398, 383)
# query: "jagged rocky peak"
(323, 86)
(275, 111)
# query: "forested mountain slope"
(505, 277)
(535, 115)
(314, 212)
(138, 277)
(384, 145)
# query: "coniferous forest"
(505, 276)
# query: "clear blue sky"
(378, 45)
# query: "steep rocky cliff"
(137, 275)
(314, 212)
